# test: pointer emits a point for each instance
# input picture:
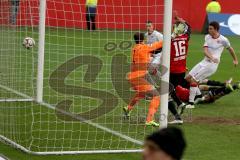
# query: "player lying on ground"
(140, 58)
(213, 48)
(211, 91)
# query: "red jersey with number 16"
(179, 50)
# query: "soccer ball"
(28, 42)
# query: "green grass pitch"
(212, 134)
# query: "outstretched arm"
(233, 54)
(177, 18)
(155, 46)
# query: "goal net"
(84, 75)
(17, 65)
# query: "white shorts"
(203, 70)
(156, 60)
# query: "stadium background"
(111, 14)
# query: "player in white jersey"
(153, 36)
(213, 48)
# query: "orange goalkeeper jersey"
(141, 54)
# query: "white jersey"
(216, 46)
(154, 37)
(206, 67)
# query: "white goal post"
(167, 26)
(40, 109)
(41, 44)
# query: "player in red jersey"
(179, 50)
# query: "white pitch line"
(116, 133)
(15, 91)
(16, 100)
(16, 145)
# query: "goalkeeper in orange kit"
(140, 58)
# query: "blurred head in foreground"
(165, 144)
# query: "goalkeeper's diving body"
(140, 58)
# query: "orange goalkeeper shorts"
(141, 85)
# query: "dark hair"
(149, 22)
(139, 37)
(170, 140)
(215, 25)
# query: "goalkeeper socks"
(154, 104)
(215, 83)
(134, 100)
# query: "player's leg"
(173, 79)
(143, 88)
(236, 86)
(198, 74)
(182, 81)
(172, 108)
(175, 98)
(191, 78)
(215, 83)
(178, 79)
(93, 18)
(150, 90)
(193, 92)
(216, 93)
(14, 12)
(137, 85)
(128, 109)
(153, 107)
(88, 19)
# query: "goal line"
(25, 98)
(28, 98)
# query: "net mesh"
(85, 84)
